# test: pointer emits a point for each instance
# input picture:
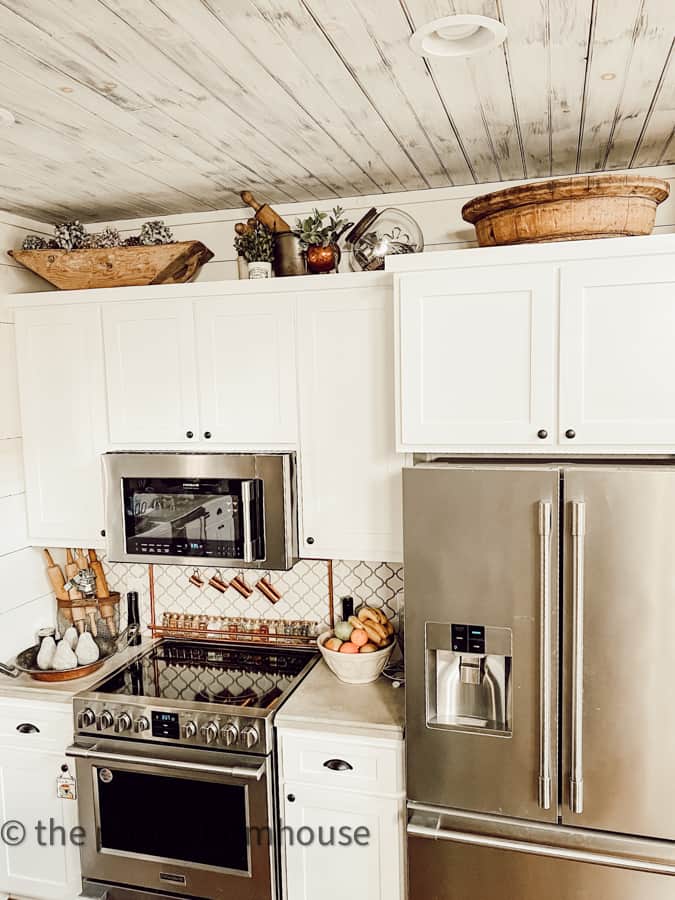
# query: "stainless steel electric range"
(175, 771)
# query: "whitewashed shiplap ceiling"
(127, 108)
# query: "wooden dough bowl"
(567, 209)
(77, 270)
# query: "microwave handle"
(246, 500)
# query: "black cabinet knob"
(310, 540)
(291, 798)
(189, 434)
(102, 532)
(27, 728)
(207, 435)
(542, 434)
(570, 433)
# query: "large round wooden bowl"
(567, 209)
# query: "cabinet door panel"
(63, 420)
(477, 358)
(350, 471)
(38, 867)
(373, 871)
(617, 365)
(246, 353)
(150, 365)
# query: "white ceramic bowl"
(355, 668)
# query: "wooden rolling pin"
(265, 214)
(89, 610)
(72, 568)
(56, 577)
(102, 592)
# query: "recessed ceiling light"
(66, 90)
(7, 117)
(608, 76)
(464, 35)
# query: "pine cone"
(109, 237)
(70, 235)
(155, 232)
(34, 242)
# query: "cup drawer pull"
(27, 728)
(338, 765)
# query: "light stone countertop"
(322, 703)
(26, 688)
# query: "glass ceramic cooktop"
(211, 673)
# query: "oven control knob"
(230, 734)
(250, 736)
(189, 730)
(86, 718)
(123, 723)
(105, 720)
(142, 724)
(209, 732)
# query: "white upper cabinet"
(478, 358)
(246, 363)
(63, 413)
(151, 372)
(350, 471)
(617, 353)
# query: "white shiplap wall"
(26, 602)
(438, 211)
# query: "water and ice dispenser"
(468, 677)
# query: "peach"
(359, 637)
(348, 647)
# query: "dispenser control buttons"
(460, 638)
(468, 638)
(476, 639)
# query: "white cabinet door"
(617, 353)
(62, 393)
(477, 358)
(350, 471)
(315, 818)
(246, 361)
(151, 372)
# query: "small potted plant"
(256, 245)
(320, 239)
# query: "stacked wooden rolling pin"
(85, 613)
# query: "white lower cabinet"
(45, 865)
(350, 471)
(340, 842)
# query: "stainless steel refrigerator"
(540, 668)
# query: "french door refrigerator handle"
(545, 655)
(423, 830)
(577, 757)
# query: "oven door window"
(175, 819)
(221, 518)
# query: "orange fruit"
(359, 637)
(348, 647)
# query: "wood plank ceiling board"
(260, 101)
(476, 95)
(645, 75)
(372, 40)
(136, 108)
(314, 70)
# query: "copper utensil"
(218, 582)
(268, 589)
(196, 579)
(239, 584)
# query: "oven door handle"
(253, 772)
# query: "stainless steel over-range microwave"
(216, 509)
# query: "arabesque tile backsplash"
(304, 590)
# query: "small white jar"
(260, 270)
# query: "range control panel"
(468, 638)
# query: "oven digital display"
(165, 725)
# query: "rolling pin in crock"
(56, 577)
(265, 214)
(90, 611)
(103, 592)
(72, 569)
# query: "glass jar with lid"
(380, 234)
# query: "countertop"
(26, 688)
(321, 702)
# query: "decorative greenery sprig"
(314, 230)
(256, 244)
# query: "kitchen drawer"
(54, 722)
(373, 765)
